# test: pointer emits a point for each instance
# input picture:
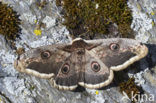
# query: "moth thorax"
(79, 44)
(80, 51)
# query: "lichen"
(96, 16)
(9, 22)
(37, 32)
(96, 92)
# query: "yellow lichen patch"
(9, 22)
(96, 92)
(37, 32)
(35, 21)
(152, 13)
(96, 16)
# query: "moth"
(88, 63)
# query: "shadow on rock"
(151, 57)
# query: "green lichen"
(9, 22)
(96, 16)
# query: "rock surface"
(17, 87)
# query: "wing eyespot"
(95, 66)
(114, 46)
(45, 54)
(65, 69)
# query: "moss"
(130, 86)
(9, 22)
(58, 2)
(96, 16)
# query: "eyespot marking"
(45, 54)
(65, 69)
(114, 46)
(95, 66)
